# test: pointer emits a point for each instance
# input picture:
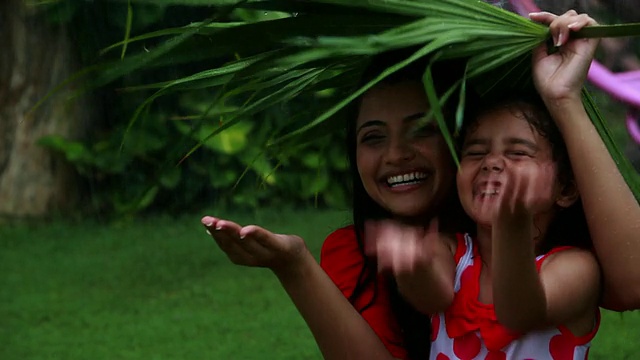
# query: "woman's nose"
(399, 151)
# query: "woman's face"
(406, 170)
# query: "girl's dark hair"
(569, 226)
(415, 326)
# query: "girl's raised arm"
(612, 212)
(564, 289)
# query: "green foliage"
(276, 59)
(254, 60)
(235, 169)
(130, 167)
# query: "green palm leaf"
(325, 42)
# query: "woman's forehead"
(391, 102)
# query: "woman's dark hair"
(569, 225)
(415, 326)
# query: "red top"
(342, 260)
(469, 329)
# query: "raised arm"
(613, 214)
(421, 261)
(564, 291)
(339, 330)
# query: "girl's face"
(406, 170)
(501, 147)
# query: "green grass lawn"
(161, 289)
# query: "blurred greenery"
(171, 138)
(159, 288)
(152, 165)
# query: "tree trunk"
(34, 57)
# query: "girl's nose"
(493, 163)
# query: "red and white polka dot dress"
(469, 329)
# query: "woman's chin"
(411, 212)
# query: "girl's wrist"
(562, 101)
(565, 109)
(514, 224)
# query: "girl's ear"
(568, 195)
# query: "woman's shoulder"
(342, 258)
(340, 240)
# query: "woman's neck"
(420, 220)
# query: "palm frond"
(324, 42)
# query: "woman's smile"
(404, 166)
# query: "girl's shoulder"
(451, 241)
(463, 245)
(567, 255)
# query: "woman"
(399, 171)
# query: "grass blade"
(127, 32)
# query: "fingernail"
(559, 42)
(241, 237)
(533, 14)
(570, 26)
(219, 227)
(208, 232)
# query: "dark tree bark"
(34, 57)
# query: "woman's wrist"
(294, 266)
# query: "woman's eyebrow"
(409, 118)
(371, 123)
(414, 117)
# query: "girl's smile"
(501, 145)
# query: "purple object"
(621, 86)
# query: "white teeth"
(413, 177)
(489, 192)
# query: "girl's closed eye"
(474, 152)
(519, 153)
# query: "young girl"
(526, 285)
(515, 182)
